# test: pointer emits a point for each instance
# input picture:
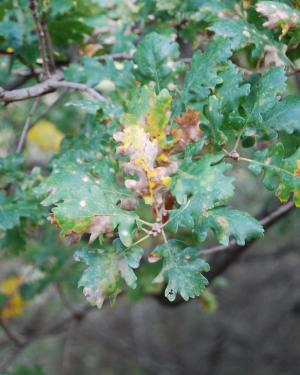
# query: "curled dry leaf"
(144, 155)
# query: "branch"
(33, 5)
(293, 72)
(13, 336)
(27, 126)
(51, 106)
(48, 42)
(60, 326)
(52, 84)
(79, 87)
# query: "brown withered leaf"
(189, 130)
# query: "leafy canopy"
(191, 92)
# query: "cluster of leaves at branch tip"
(151, 169)
(151, 160)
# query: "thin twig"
(52, 84)
(51, 106)
(33, 5)
(27, 126)
(48, 42)
(293, 72)
(79, 87)
(8, 359)
(11, 334)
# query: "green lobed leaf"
(199, 186)
(242, 34)
(79, 196)
(223, 108)
(214, 114)
(281, 175)
(211, 10)
(227, 223)
(182, 268)
(264, 96)
(285, 115)
(202, 76)
(11, 211)
(233, 89)
(150, 110)
(106, 268)
(154, 58)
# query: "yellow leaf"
(158, 117)
(46, 136)
(90, 49)
(15, 303)
(297, 171)
(297, 192)
(152, 112)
